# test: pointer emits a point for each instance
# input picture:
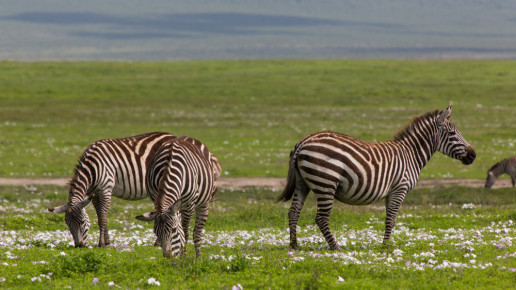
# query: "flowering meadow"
(439, 241)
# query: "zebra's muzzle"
(469, 157)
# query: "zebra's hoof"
(387, 243)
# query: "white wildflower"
(468, 206)
(153, 281)
(340, 279)
(397, 252)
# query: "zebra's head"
(77, 220)
(490, 180)
(168, 229)
(495, 171)
(450, 141)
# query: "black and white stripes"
(178, 175)
(188, 185)
(353, 171)
(129, 168)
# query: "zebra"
(130, 168)
(357, 172)
(505, 166)
(188, 185)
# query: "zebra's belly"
(129, 193)
(363, 196)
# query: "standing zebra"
(129, 168)
(505, 166)
(187, 185)
(356, 172)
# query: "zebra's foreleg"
(392, 206)
(324, 206)
(293, 215)
(101, 203)
(186, 216)
(201, 214)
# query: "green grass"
(436, 242)
(249, 113)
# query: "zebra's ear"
(147, 217)
(175, 208)
(59, 209)
(445, 114)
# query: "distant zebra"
(129, 168)
(187, 185)
(356, 172)
(505, 166)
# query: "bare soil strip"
(272, 183)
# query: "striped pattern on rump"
(188, 185)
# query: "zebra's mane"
(409, 128)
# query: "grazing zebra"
(505, 166)
(356, 172)
(129, 168)
(187, 185)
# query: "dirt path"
(267, 183)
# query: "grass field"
(249, 113)
(458, 238)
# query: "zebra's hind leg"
(324, 205)
(101, 202)
(293, 214)
(201, 214)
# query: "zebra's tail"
(288, 191)
(290, 187)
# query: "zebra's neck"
(499, 168)
(421, 138)
(77, 194)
